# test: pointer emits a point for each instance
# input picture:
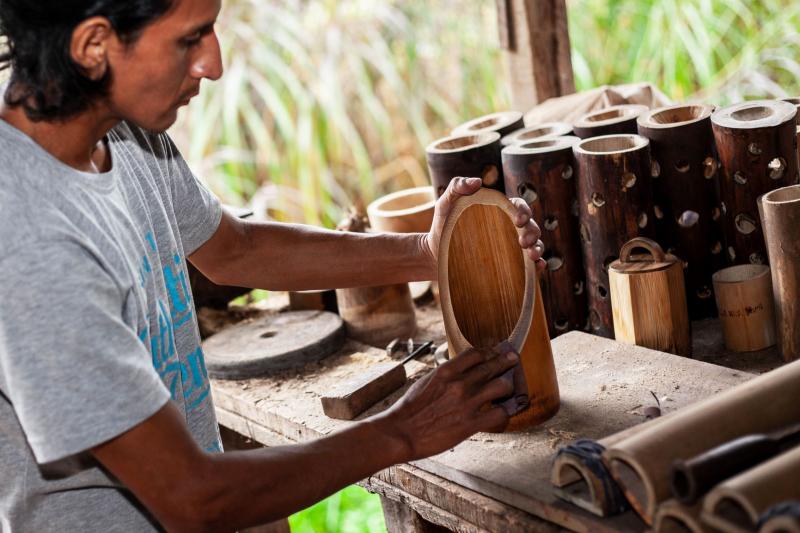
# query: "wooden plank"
(539, 62)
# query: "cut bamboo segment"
(780, 211)
(685, 195)
(488, 290)
(648, 299)
(641, 463)
(468, 156)
(756, 144)
(541, 172)
(735, 505)
(796, 102)
(745, 301)
(615, 204)
(673, 517)
(376, 315)
(503, 122)
(406, 211)
(618, 119)
(539, 132)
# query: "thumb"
(456, 188)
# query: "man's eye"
(193, 38)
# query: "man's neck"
(76, 142)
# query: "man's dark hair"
(45, 80)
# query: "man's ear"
(89, 47)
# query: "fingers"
(496, 389)
(462, 363)
(524, 213)
(493, 420)
(460, 187)
(493, 367)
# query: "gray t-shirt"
(97, 323)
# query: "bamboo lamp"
(488, 293)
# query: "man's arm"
(278, 256)
(187, 489)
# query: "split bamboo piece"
(735, 505)
(545, 130)
(618, 119)
(488, 295)
(745, 302)
(641, 463)
(469, 156)
(542, 173)
(615, 204)
(780, 216)
(503, 122)
(756, 144)
(781, 523)
(648, 299)
(674, 517)
(684, 170)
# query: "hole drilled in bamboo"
(777, 167)
(745, 224)
(688, 218)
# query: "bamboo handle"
(641, 242)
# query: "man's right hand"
(452, 403)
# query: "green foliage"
(352, 510)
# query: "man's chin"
(160, 125)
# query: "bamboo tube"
(735, 505)
(745, 300)
(756, 144)
(685, 196)
(796, 102)
(376, 315)
(615, 205)
(781, 223)
(465, 155)
(618, 119)
(405, 211)
(641, 463)
(541, 172)
(503, 122)
(673, 517)
(488, 291)
(539, 132)
(648, 299)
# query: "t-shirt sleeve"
(76, 374)
(197, 210)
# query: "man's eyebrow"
(203, 27)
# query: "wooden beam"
(535, 35)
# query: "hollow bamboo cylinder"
(736, 504)
(615, 204)
(542, 173)
(744, 299)
(796, 102)
(406, 211)
(465, 155)
(781, 222)
(618, 119)
(376, 315)
(684, 170)
(641, 463)
(503, 122)
(539, 132)
(648, 299)
(756, 144)
(481, 310)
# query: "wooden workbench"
(494, 482)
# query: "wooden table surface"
(494, 482)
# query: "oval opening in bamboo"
(456, 143)
(610, 144)
(637, 491)
(670, 117)
(497, 263)
(783, 195)
(752, 113)
(402, 203)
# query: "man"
(106, 419)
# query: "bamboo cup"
(746, 310)
(780, 216)
(648, 300)
(469, 155)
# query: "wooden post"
(542, 173)
(535, 34)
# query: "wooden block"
(356, 396)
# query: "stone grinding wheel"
(273, 343)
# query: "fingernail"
(512, 357)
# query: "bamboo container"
(780, 215)
(539, 132)
(756, 144)
(541, 172)
(475, 155)
(503, 122)
(615, 204)
(488, 293)
(735, 505)
(684, 170)
(641, 463)
(744, 299)
(618, 119)
(648, 299)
